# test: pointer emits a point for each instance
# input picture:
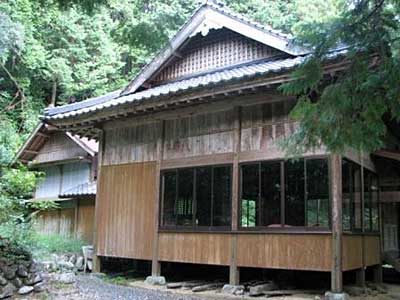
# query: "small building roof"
(84, 189)
(40, 136)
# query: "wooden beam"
(233, 268)
(31, 151)
(337, 230)
(76, 218)
(44, 135)
(100, 158)
(155, 264)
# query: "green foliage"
(353, 105)
(16, 185)
(42, 246)
(11, 39)
(44, 205)
(120, 280)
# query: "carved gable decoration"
(212, 49)
(213, 37)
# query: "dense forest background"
(62, 51)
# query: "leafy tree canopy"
(351, 108)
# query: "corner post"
(156, 278)
(337, 231)
(360, 273)
(96, 258)
(234, 277)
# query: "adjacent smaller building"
(70, 169)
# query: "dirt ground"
(89, 287)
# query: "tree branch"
(19, 89)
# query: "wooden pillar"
(96, 258)
(76, 217)
(360, 277)
(378, 276)
(155, 264)
(337, 233)
(233, 268)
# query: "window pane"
(346, 194)
(367, 200)
(317, 193)
(371, 212)
(184, 203)
(356, 184)
(250, 193)
(374, 203)
(270, 194)
(294, 186)
(169, 217)
(222, 196)
(203, 196)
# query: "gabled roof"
(211, 15)
(39, 137)
(248, 70)
(200, 81)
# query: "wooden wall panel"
(199, 135)
(59, 221)
(352, 252)
(67, 218)
(264, 124)
(285, 251)
(74, 174)
(50, 185)
(131, 144)
(372, 250)
(126, 210)
(48, 222)
(201, 248)
(59, 147)
(85, 226)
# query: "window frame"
(367, 182)
(362, 230)
(282, 227)
(194, 227)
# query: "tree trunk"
(53, 94)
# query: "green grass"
(45, 245)
(118, 280)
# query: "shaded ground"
(91, 288)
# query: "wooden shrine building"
(69, 165)
(190, 169)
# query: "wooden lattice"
(220, 48)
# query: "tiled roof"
(82, 104)
(225, 75)
(84, 189)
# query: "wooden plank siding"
(85, 220)
(131, 144)
(63, 221)
(372, 250)
(126, 210)
(285, 251)
(59, 147)
(201, 248)
(352, 252)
